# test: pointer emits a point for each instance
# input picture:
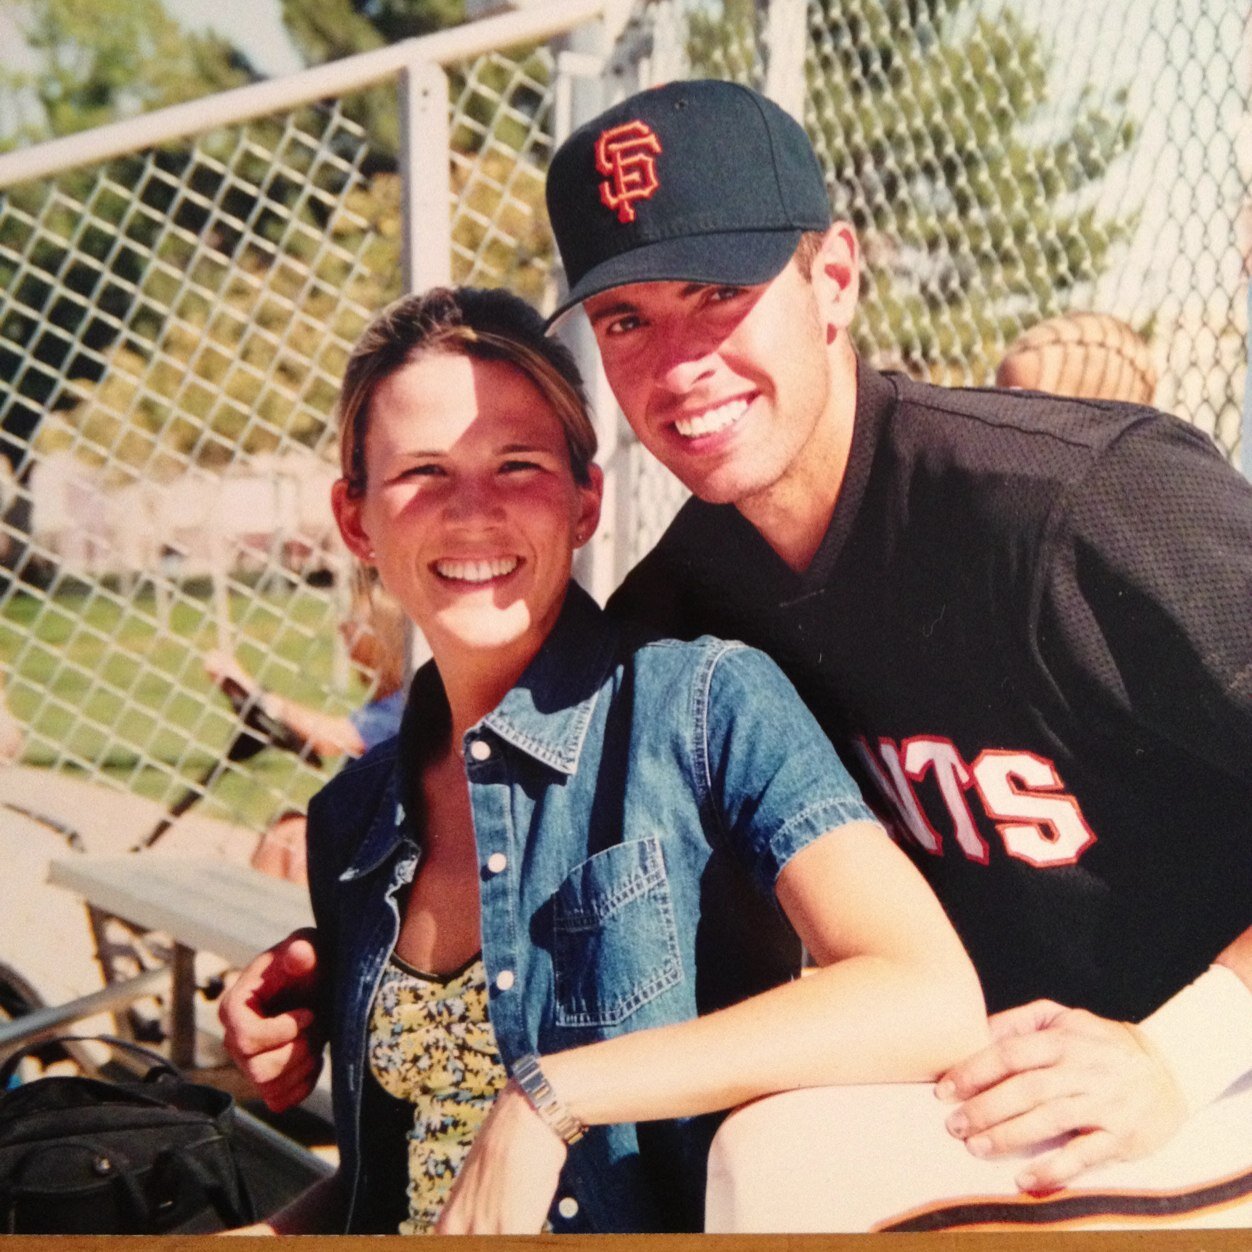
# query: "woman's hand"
(509, 1177)
(271, 1032)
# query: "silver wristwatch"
(538, 1090)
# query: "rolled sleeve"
(776, 781)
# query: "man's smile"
(711, 420)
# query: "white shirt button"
(505, 979)
(568, 1206)
(399, 814)
(496, 862)
(480, 749)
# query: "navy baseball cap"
(701, 181)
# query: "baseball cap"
(700, 181)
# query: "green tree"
(327, 30)
(324, 30)
(98, 60)
(499, 228)
(969, 189)
(94, 61)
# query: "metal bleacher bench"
(203, 904)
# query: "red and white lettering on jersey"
(1020, 792)
(1023, 794)
(624, 154)
(894, 786)
(930, 754)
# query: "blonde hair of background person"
(1085, 355)
(374, 633)
(540, 749)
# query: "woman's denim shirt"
(633, 804)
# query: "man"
(1025, 621)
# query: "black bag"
(88, 1157)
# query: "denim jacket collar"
(547, 713)
(385, 831)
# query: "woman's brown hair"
(476, 322)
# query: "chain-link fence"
(173, 323)
(173, 320)
(172, 328)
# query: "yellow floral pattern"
(431, 1044)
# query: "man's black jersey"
(1029, 631)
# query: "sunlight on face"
(471, 509)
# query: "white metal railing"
(533, 24)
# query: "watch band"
(538, 1090)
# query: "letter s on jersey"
(1049, 828)
(1022, 793)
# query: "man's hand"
(271, 1033)
(506, 1185)
(1052, 1071)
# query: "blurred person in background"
(373, 633)
(1085, 355)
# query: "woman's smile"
(476, 571)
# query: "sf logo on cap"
(624, 155)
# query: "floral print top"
(431, 1044)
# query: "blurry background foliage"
(939, 100)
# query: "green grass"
(102, 686)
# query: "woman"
(560, 918)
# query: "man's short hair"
(807, 251)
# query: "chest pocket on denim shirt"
(615, 946)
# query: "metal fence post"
(785, 24)
(426, 181)
(580, 95)
(1245, 429)
(424, 171)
